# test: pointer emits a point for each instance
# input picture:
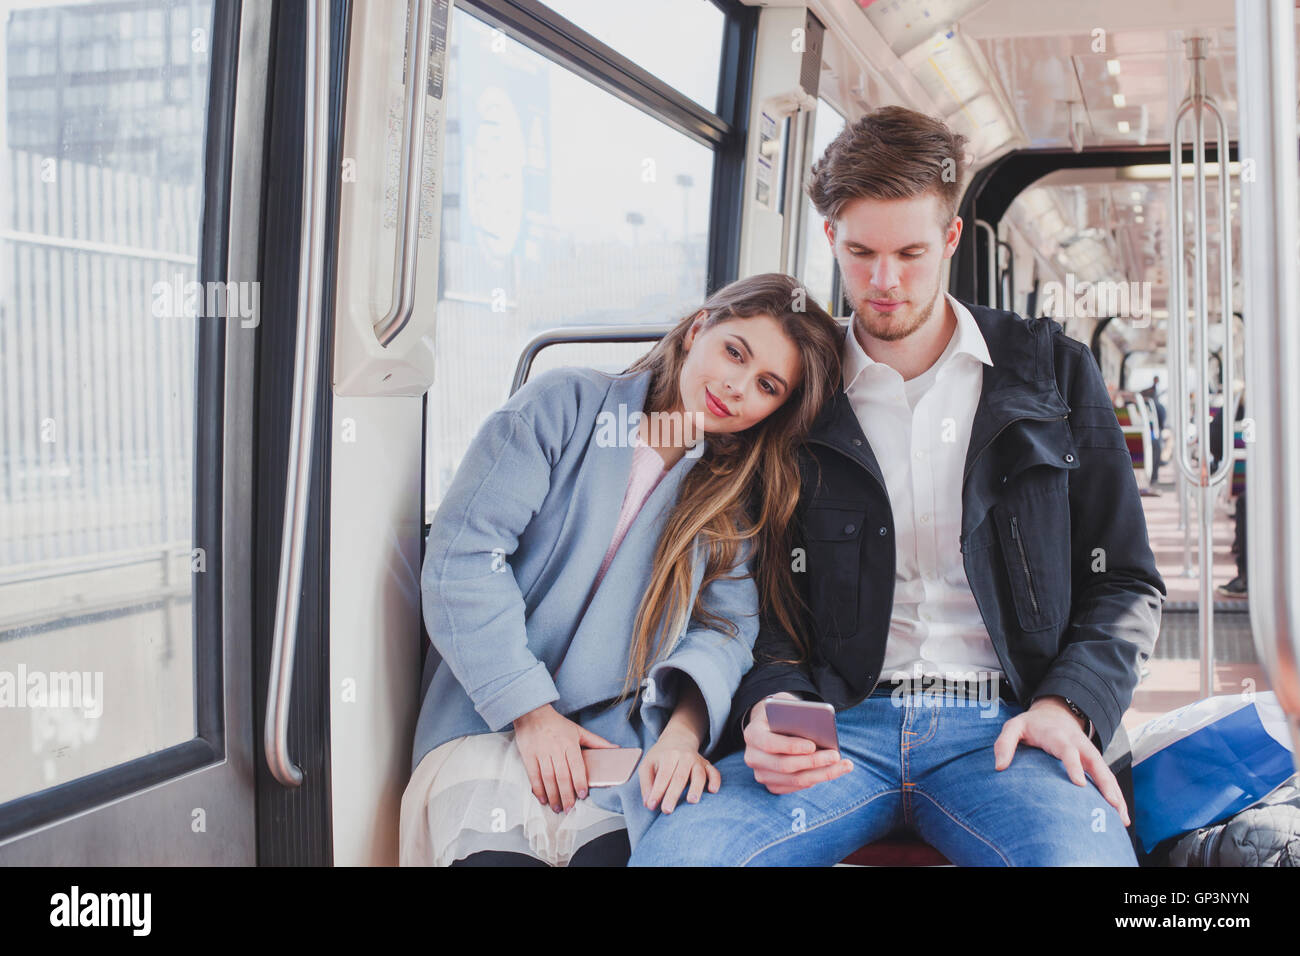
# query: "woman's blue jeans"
(919, 763)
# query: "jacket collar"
(1020, 383)
(966, 340)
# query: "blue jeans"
(919, 763)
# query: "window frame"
(540, 28)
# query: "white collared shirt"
(919, 431)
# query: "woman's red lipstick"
(716, 406)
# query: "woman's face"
(737, 372)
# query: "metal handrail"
(1178, 301)
(992, 261)
(1227, 364)
(577, 333)
(585, 334)
(111, 561)
(1008, 273)
(410, 177)
(1197, 103)
(315, 191)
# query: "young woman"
(587, 582)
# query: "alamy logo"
(178, 298)
(56, 689)
(665, 429)
(102, 909)
(981, 690)
(1087, 300)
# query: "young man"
(980, 587)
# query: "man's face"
(891, 253)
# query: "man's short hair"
(891, 153)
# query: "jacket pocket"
(1034, 533)
(833, 537)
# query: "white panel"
(368, 206)
(375, 531)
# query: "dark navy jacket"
(1072, 600)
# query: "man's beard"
(893, 326)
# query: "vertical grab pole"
(1180, 460)
(1205, 503)
(1225, 299)
(1198, 103)
(311, 258)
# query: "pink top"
(647, 471)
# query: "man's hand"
(786, 764)
(1051, 726)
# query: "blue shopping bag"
(1205, 762)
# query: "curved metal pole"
(1009, 303)
(410, 177)
(1178, 299)
(1199, 473)
(792, 201)
(1201, 298)
(992, 241)
(584, 334)
(315, 189)
(1227, 363)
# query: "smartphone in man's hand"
(812, 720)
(792, 748)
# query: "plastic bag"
(1207, 761)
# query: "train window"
(103, 181)
(818, 266)
(562, 205)
(681, 43)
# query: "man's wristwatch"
(1074, 709)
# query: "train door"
(131, 150)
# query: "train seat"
(1136, 436)
(897, 849)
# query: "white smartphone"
(610, 766)
(809, 719)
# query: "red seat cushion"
(897, 851)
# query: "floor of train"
(1173, 672)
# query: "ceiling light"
(1118, 100)
(1112, 67)
(1156, 171)
(1139, 219)
(1122, 126)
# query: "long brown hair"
(746, 486)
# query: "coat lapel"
(1018, 385)
(608, 621)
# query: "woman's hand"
(551, 746)
(672, 763)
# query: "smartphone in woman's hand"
(610, 767)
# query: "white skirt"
(472, 794)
